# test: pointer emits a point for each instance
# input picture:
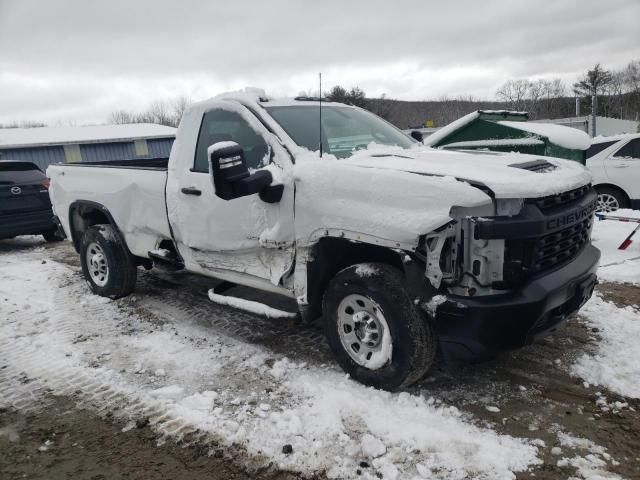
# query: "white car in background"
(615, 165)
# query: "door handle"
(620, 165)
(191, 191)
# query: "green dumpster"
(505, 131)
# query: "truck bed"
(131, 191)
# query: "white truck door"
(623, 167)
(244, 239)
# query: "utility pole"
(594, 111)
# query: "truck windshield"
(344, 129)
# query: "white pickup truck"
(400, 249)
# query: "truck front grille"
(552, 202)
(558, 247)
(527, 257)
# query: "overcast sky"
(76, 61)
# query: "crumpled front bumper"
(470, 328)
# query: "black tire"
(52, 236)
(120, 279)
(607, 196)
(412, 340)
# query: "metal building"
(46, 145)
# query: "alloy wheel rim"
(364, 332)
(607, 203)
(97, 264)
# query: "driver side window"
(223, 125)
(630, 150)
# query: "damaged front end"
(511, 272)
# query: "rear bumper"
(27, 223)
(471, 328)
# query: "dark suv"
(25, 208)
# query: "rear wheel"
(610, 200)
(376, 333)
(106, 263)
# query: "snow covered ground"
(615, 363)
(195, 382)
(618, 265)
(62, 338)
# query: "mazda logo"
(16, 190)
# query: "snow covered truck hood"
(508, 175)
(392, 197)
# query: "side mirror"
(231, 177)
(417, 135)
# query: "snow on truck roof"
(24, 137)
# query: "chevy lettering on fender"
(396, 249)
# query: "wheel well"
(613, 187)
(330, 255)
(84, 215)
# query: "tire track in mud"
(26, 380)
(189, 302)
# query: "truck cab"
(400, 250)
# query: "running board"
(250, 306)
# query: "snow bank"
(618, 265)
(566, 137)
(614, 364)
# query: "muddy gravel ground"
(535, 396)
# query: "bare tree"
(160, 111)
(121, 117)
(514, 93)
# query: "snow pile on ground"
(618, 265)
(187, 378)
(615, 364)
(593, 465)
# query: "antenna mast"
(320, 97)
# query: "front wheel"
(107, 265)
(377, 334)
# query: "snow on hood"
(495, 170)
(393, 206)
